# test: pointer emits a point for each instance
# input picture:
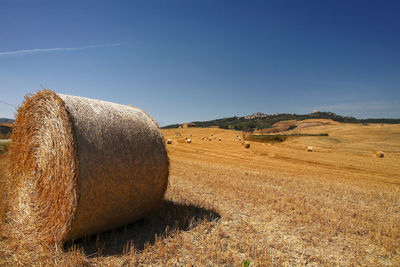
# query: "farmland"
(271, 204)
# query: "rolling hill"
(260, 121)
(5, 120)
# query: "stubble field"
(271, 204)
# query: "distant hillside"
(262, 121)
(5, 120)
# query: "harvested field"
(270, 204)
(279, 127)
(283, 126)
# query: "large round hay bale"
(81, 166)
(246, 144)
(379, 154)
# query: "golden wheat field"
(271, 204)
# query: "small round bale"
(220, 139)
(189, 141)
(209, 138)
(309, 149)
(379, 154)
(202, 138)
(169, 141)
(81, 166)
(246, 144)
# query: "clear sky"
(198, 60)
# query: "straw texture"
(81, 166)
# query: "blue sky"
(198, 60)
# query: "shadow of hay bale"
(169, 218)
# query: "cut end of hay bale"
(44, 168)
(81, 166)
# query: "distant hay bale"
(379, 154)
(189, 141)
(202, 138)
(186, 138)
(246, 144)
(209, 138)
(219, 139)
(169, 141)
(309, 149)
(81, 166)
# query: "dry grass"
(269, 204)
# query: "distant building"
(256, 115)
(189, 124)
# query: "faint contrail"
(40, 50)
(2, 102)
